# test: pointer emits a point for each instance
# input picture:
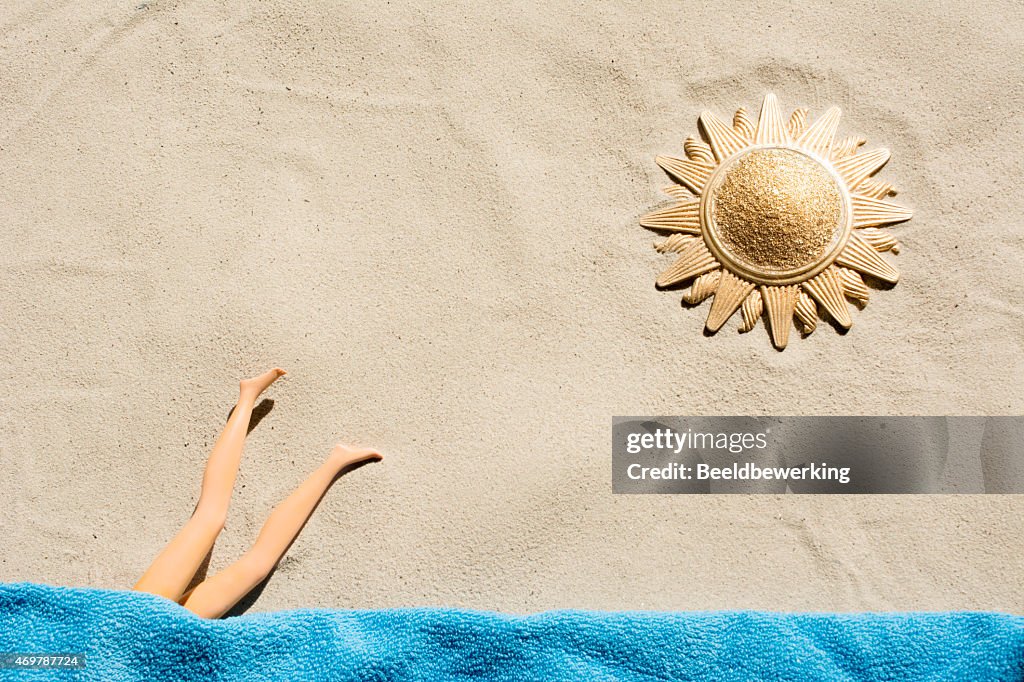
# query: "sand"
(428, 215)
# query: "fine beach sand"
(429, 218)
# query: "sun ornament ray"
(777, 218)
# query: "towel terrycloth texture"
(135, 636)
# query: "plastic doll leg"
(213, 597)
(175, 566)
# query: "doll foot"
(344, 456)
(258, 384)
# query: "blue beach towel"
(135, 636)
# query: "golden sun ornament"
(776, 217)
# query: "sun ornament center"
(777, 210)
